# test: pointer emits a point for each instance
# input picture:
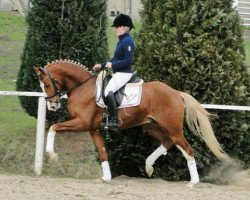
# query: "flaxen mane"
(69, 62)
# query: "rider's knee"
(108, 93)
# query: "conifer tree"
(196, 47)
(60, 29)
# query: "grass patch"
(12, 26)
(17, 132)
(247, 49)
(21, 122)
(17, 129)
(12, 36)
(7, 85)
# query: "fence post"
(41, 115)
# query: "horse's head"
(50, 87)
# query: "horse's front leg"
(71, 125)
(100, 145)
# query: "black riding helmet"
(123, 20)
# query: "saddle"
(119, 95)
(127, 96)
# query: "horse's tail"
(198, 122)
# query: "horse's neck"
(71, 75)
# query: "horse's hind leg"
(187, 152)
(180, 141)
(156, 131)
(171, 122)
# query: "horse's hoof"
(149, 169)
(106, 178)
(192, 184)
(53, 157)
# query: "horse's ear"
(38, 70)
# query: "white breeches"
(118, 80)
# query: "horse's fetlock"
(53, 157)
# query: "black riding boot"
(112, 107)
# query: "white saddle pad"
(131, 98)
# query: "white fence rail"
(40, 132)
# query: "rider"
(120, 64)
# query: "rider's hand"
(108, 65)
(97, 67)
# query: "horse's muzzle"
(53, 105)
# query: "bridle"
(57, 92)
(54, 84)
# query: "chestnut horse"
(160, 113)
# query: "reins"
(76, 85)
(60, 94)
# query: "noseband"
(59, 93)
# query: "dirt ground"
(31, 188)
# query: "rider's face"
(119, 30)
